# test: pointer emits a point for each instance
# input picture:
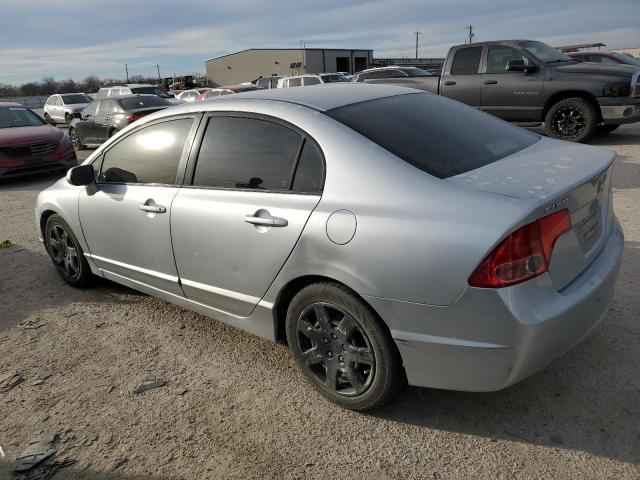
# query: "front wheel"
(571, 119)
(342, 347)
(75, 139)
(66, 253)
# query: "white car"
(62, 108)
(136, 89)
(311, 79)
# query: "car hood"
(540, 171)
(76, 107)
(27, 135)
(597, 68)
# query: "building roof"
(290, 49)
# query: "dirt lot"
(247, 412)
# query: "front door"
(102, 120)
(234, 228)
(85, 127)
(125, 216)
(462, 81)
(514, 96)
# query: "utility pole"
(471, 34)
(158, 68)
(417, 35)
(126, 69)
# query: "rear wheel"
(342, 348)
(572, 119)
(606, 129)
(65, 252)
(47, 116)
(75, 139)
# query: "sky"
(77, 38)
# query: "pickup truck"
(527, 81)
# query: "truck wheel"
(606, 129)
(571, 119)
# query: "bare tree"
(67, 86)
(48, 86)
(91, 84)
(30, 89)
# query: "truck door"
(513, 96)
(463, 80)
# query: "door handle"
(449, 82)
(490, 82)
(266, 221)
(152, 208)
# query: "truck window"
(498, 57)
(466, 61)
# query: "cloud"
(70, 38)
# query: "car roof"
(324, 97)
(11, 104)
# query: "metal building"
(247, 65)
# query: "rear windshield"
(437, 135)
(18, 117)
(150, 91)
(79, 98)
(147, 101)
(333, 78)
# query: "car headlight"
(65, 139)
(617, 90)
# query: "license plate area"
(589, 229)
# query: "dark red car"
(28, 144)
(217, 92)
(609, 58)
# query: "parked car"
(311, 79)
(212, 93)
(392, 71)
(136, 89)
(29, 144)
(102, 119)
(63, 107)
(267, 82)
(358, 223)
(608, 58)
(189, 96)
(528, 81)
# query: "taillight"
(132, 117)
(524, 254)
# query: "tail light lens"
(133, 117)
(523, 255)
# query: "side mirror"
(50, 121)
(520, 66)
(80, 175)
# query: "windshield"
(424, 130)
(151, 91)
(76, 98)
(334, 77)
(18, 117)
(133, 103)
(416, 72)
(545, 53)
(628, 59)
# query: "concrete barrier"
(30, 102)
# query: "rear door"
(254, 184)
(462, 80)
(514, 96)
(125, 217)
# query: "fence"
(31, 102)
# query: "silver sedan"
(386, 235)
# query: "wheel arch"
(556, 97)
(44, 216)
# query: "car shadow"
(624, 135)
(75, 473)
(588, 400)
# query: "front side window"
(92, 109)
(466, 61)
(424, 130)
(149, 155)
(240, 152)
(499, 56)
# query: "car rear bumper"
(490, 339)
(15, 167)
(619, 110)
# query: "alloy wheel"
(63, 251)
(75, 139)
(335, 350)
(569, 122)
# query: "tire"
(605, 129)
(47, 116)
(66, 253)
(75, 140)
(571, 119)
(328, 327)
(67, 119)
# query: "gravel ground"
(249, 414)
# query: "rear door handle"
(266, 221)
(449, 82)
(152, 208)
(490, 82)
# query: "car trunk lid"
(555, 175)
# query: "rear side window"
(309, 173)
(466, 61)
(239, 152)
(295, 82)
(437, 135)
(149, 155)
(311, 81)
